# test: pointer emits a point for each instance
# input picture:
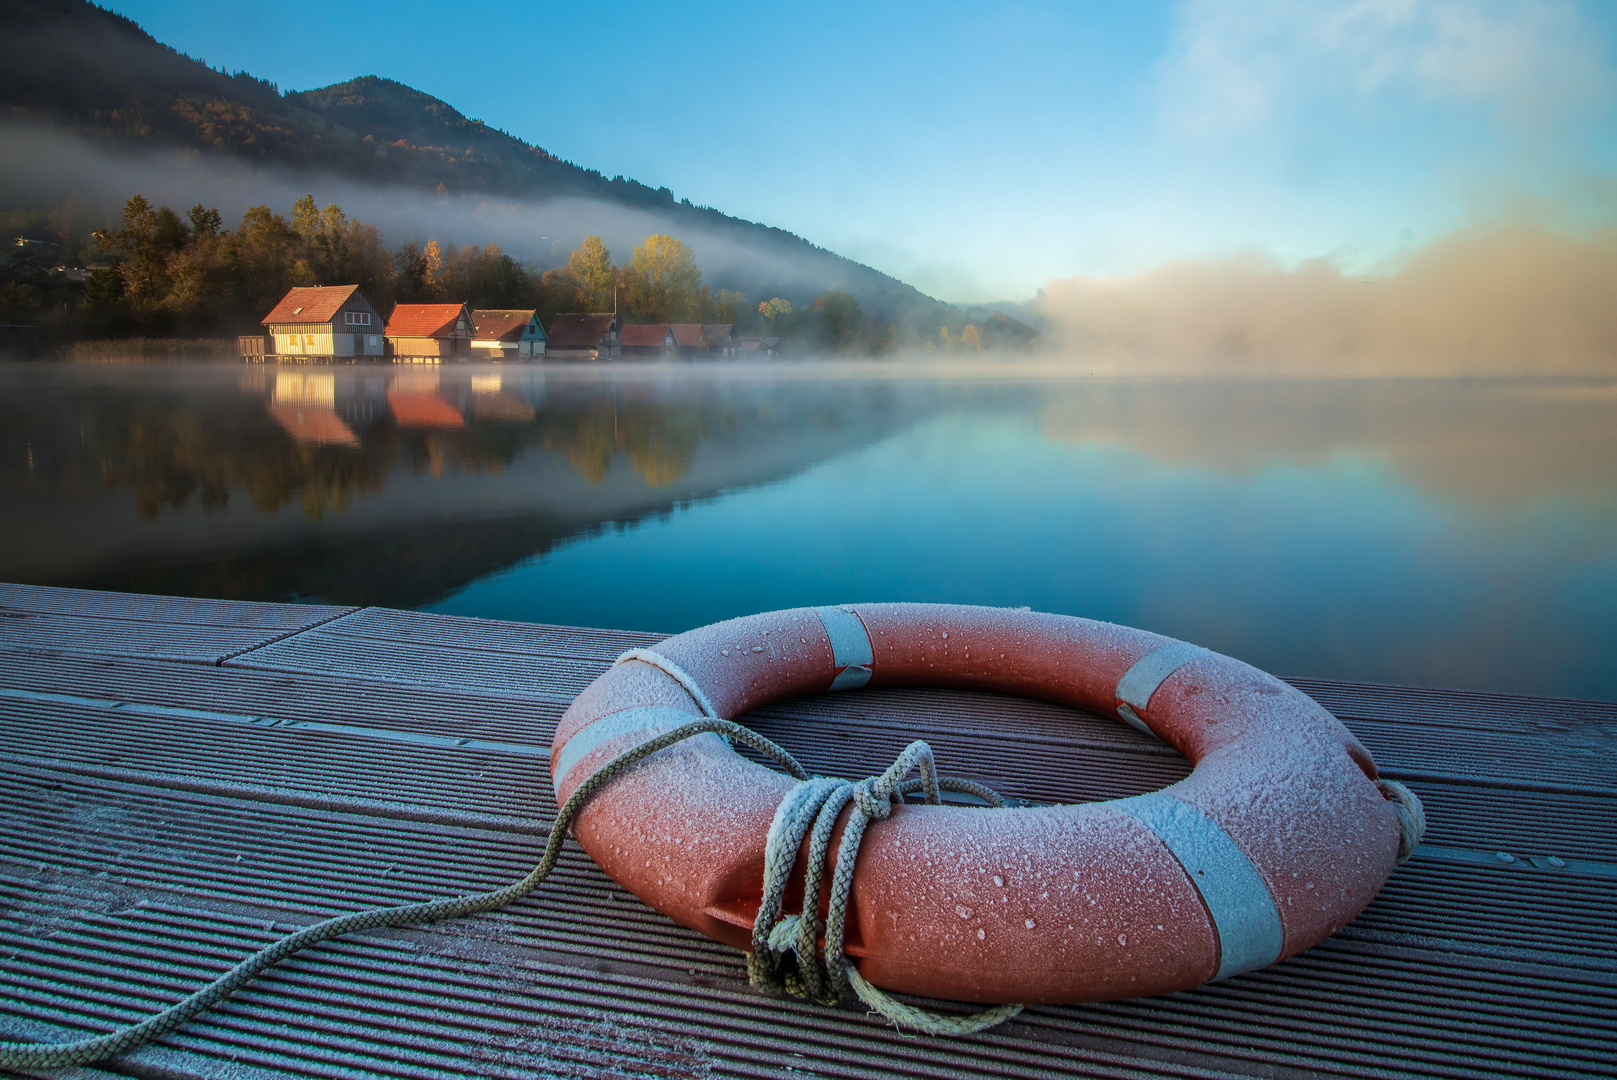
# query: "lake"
(1455, 533)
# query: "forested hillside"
(71, 66)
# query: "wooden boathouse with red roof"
(429, 333)
(323, 322)
(585, 336)
(508, 334)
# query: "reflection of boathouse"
(416, 402)
(325, 408)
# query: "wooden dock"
(186, 780)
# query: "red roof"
(311, 304)
(688, 335)
(576, 330)
(501, 325)
(424, 320)
(649, 336)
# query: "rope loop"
(1411, 816)
(825, 974)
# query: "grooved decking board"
(45, 619)
(159, 819)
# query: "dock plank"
(52, 620)
(161, 814)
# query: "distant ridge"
(73, 65)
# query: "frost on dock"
(183, 781)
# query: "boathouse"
(429, 333)
(585, 336)
(322, 322)
(650, 341)
(690, 340)
(720, 338)
(508, 334)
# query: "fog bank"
(1503, 300)
(46, 168)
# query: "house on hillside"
(324, 322)
(720, 339)
(580, 336)
(507, 334)
(690, 341)
(649, 342)
(429, 333)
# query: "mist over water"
(1457, 532)
(1500, 300)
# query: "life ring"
(1279, 837)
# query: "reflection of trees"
(661, 440)
(168, 452)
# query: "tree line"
(162, 274)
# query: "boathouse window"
(357, 318)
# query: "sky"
(979, 151)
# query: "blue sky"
(980, 150)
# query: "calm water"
(1446, 533)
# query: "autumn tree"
(266, 258)
(969, 338)
(841, 321)
(484, 277)
(773, 309)
(662, 282)
(150, 235)
(558, 291)
(595, 278)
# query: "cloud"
(1236, 66)
(1511, 299)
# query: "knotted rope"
(811, 809)
(1411, 816)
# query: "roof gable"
(425, 320)
(647, 336)
(312, 304)
(688, 335)
(504, 324)
(579, 330)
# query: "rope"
(15, 1055)
(1411, 816)
(873, 795)
(673, 671)
(812, 809)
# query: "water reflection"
(304, 403)
(1411, 531)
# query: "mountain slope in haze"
(68, 64)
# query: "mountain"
(72, 66)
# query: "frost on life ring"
(1278, 837)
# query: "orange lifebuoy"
(1278, 837)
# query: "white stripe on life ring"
(648, 721)
(1139, 682)
(851, 650)
(1244, 914)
